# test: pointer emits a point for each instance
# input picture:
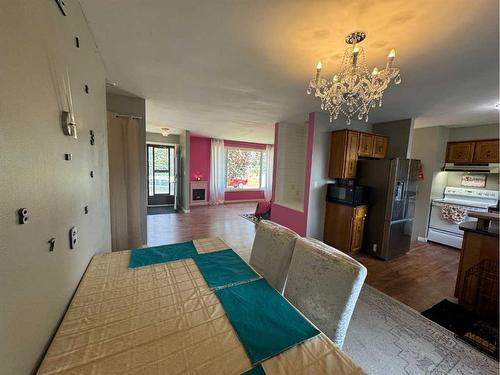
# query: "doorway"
(161, 176)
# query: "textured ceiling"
(233, 68)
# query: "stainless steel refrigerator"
(393, 189)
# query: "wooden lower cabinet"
(344, 226)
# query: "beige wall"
(183, 199)
(474, 132)
(428, 145)
(37, 43)
(400, 135)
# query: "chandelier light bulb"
(335, 78)
(355, 50)
(319, 66)
(375, 71)
(392, 54)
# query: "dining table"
(193, 307)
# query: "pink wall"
(199, 163)
(199, 160)
(293, 219)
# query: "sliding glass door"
(161, 175)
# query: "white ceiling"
(232, 69)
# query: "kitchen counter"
(471, 226)
(478, 269)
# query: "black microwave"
(352, 195)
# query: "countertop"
(471, 226)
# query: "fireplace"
(198, 193)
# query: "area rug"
(465, 324)
(161, 210)
(251, 217)
(388, 337)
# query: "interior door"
(161, 175)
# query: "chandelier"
(354, 90)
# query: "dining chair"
(324, 284)
(272, 251)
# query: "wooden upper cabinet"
(486, 151)
(366, 144)
(379, 147)
(343, 154)
(460, 152)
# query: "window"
(243, 169)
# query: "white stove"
(447, 232)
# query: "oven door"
(437, 222)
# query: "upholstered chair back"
(272, 251)
(324, 284)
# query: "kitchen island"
(477, 280)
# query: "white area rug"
(388, 337)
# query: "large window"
(243, 169)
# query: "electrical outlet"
(374, 247)
(62, 6)
(23, 215)
(73, 238)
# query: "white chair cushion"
(272, 251)
(324, 284)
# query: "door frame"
(175, 147)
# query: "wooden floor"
(419, 279)
(206, 221)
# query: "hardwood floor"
(419, 279)
(206, 221)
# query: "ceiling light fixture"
(165, 132)
(354, 90)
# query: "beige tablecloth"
(163, 319)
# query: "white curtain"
(217, 172)
(268, 172)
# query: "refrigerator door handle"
(399, 190)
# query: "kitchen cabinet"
(475, 151)
(366, 144)
(379, 147)
(347, 145)
(343, 154)
(344, 226)
(460, 152)
(486, 151)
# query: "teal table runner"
(266, 323)
(220, 268)
(224, 268)
(161, 254)
(257, 370)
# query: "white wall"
(319, 168)
(291, 165)
(37, 44)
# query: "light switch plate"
(62, 6)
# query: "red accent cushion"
(263, 206)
